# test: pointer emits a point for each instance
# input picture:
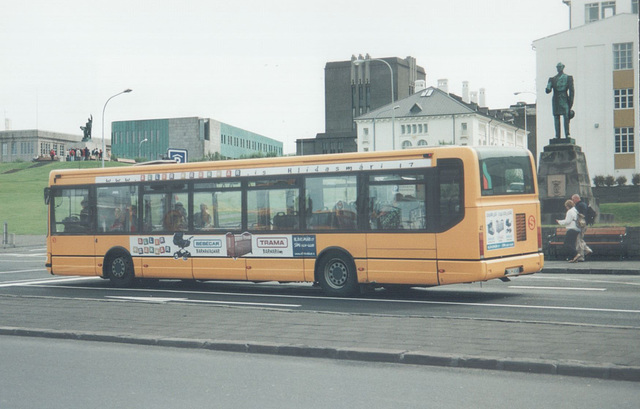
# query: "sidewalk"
(22, 241)
(595, 266)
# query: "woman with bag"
(571, 238)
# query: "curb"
(603, 271)
(536, 366)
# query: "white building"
(600, 51)
(433, 117)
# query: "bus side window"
(451, 197)
(72, 212)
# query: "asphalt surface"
(572, 350)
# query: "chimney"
(465, 91)
(474, 96)
(483, 101)
(420, 85)
(443, 85)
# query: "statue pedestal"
(562, 172)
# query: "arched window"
(422, 142)
(406, 145)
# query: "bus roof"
(76, 176)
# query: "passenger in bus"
(176, 219)
(202, 219)
(84, 213)
(133, 217)
(118, 220)
(570, 221)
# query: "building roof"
(428, 102)
(616, 21)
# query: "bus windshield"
(504, 172)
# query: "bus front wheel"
(337, 275)
(121, 271)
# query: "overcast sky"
(257, 65)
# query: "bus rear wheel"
(337, 275)
(121, 271)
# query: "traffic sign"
(179, 155)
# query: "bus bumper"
(462, 271)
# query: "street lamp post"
(104, 150)
(393, 126)
(361, 61)
(140, 145)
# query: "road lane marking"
(23, 254)
(526, 287)
(161, 300)
(587, 281)
(23, 271)
(37, 283)
(360, 300)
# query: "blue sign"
(179, 155)
(304, 245)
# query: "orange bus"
(420, 217)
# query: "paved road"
(585, 325)
(46, 373)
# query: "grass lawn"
(21, 193)
(625, 214)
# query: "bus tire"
(337, 275)
(120, 270)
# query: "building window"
(622, 56)
(624, 140)
(426, 129)
(406, 145)
(591, 12)
(634, 6)
(608, 9)
(623, 98)
(403, 129)
(422, 142)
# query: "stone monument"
(562, 168)
(86, 129)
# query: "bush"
(609, 181)
(635, 179)
(598, 181)
(621, 180)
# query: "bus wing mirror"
(47, 195)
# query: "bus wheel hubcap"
(336, 274)
(118, 268)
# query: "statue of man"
(87, 129)
(562, 102)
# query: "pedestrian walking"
(581, 208)
(570, 239)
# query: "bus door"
(72, 242)
(273, 214)
(399, 250)
(116, 219)
(165, 248)
(217, 212)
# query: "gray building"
(27, 144)
(151, 138)
(356, 87)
